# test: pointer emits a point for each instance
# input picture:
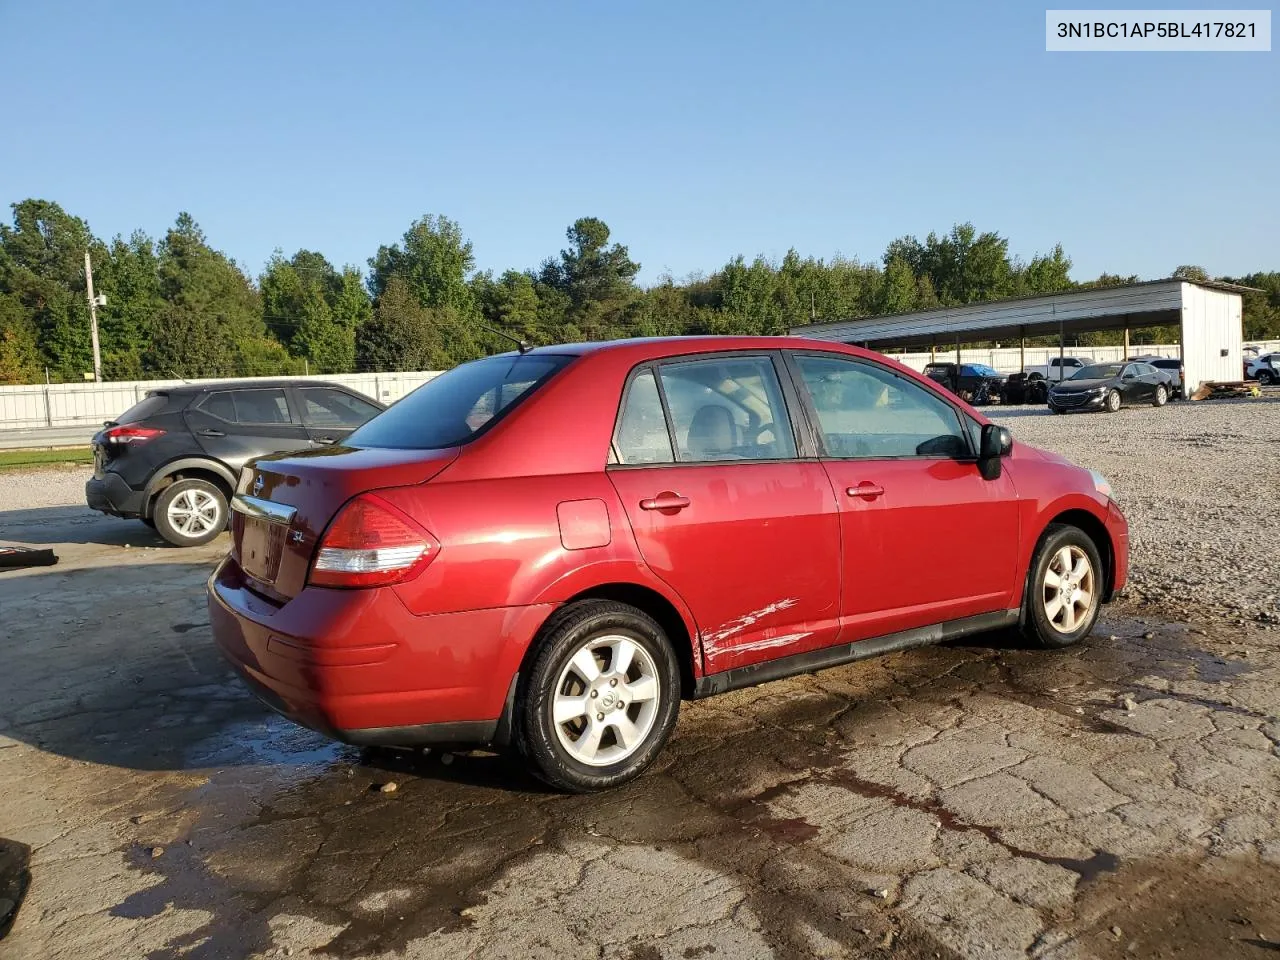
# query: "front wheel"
(1112, 403)
(190, 512)
(1162, 396)
(1064, 588)
(601, 697)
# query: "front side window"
(322, 407)
(220, 405)
(727, 408)
(867, 412)
(261, 406)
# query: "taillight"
(371, 543)
(131, 435)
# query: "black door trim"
(757, 673)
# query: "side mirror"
(996, 443)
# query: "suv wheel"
(1064, 588)
(600, 699)
(190, 512)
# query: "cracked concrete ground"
(1119, 799)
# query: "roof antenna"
(520, 344)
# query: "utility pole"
(813, 310)
(93, 317)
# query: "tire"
(1112, 403)
(1162, 396)
(149, 521)
(190, 512)
(1057, 410)
(564, 754)
(1266, 378)
(1054, 625)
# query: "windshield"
(1099, 371)
(458, 404)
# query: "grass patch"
(26, 459)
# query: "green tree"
(211, 322)
(42, 266)
(591, 270)
(401, 333)
(20, 360)
(1190, 271)
(314, 310)
(433, 260)
(130, 279)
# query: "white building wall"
(1212, 336)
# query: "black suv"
(172, 460)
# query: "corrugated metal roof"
(1149, 303)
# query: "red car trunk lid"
(304, 491)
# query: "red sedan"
(552, 549)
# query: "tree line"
(179, 308)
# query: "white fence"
(89, 404)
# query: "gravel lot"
(1117, 800)
(1200, 484)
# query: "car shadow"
(76, 524)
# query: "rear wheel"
(601, 697)
(1064, 588)
(1162, 396)
(190, 512)
(1112, 403)
(1266, 377)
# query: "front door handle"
(212, 433)
(325, 440)
(866, 490)
(665, 501)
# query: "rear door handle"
(866, 490)
(665, 501)
(212, 433)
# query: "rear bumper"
(111, 494)
(357, 666)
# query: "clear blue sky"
(697, 130)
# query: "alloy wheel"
(1069, 590)
(194, 513)
(606, 700)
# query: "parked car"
(1108, 386)
(1170, 365)
(172, 459)
(1058, 368)
(1019, 389)
(551, 549)
(1264, 368)
(972, 382)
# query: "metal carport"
(1208, 314)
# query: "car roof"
(640, 349)
(263, 384)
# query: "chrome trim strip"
(263, 509)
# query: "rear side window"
(219, 405)
(459, 404)
(261, 406)
(642, 428)
(726, 409)
(148, 406)
(322, 407)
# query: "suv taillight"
(130, 435)
(371, 543)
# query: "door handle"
(212, 433)
(665, 501)
(324, 439)
(866, 490)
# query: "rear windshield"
(458, 404)
(148, 406)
